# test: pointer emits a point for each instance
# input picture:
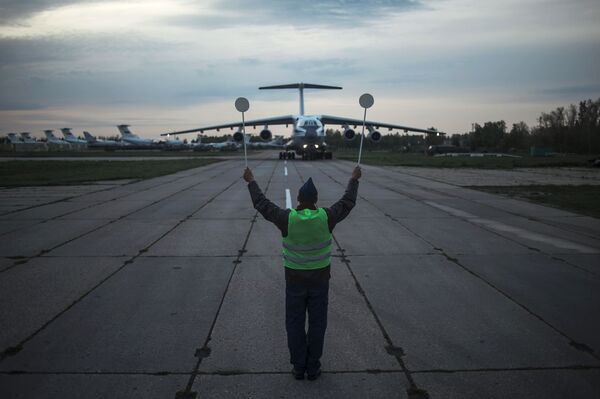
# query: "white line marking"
(288, 199)
(285, 170)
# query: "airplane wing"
(278, 120)
(336, 120)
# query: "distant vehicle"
(71, 139)
(93, 142)
(135, 140)
(308, 133)
(54, 141)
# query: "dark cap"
(308, 192)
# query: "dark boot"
(298, 374)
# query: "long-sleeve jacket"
(279, 217)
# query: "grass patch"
(43, 173)
(387, 158)
(579, 199)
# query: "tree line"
(572, 129)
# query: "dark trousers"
(306, 348)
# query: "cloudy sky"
(161, 65)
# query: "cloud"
(306, 14)
(15, 11)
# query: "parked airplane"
(94, 142)
(51, 139)
(70, 137)
(276, 143)
(134, 139)
(308, 134)
(28, 139)
(174, 144)
(14, 139)
(229, 145)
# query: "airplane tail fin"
(89, 137)
(50, 134)
(66, 131)
(300, 86)
(125, 132)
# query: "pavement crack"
(187, 391)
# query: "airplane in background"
(134, 139)
(51, 139)
(229, 145)
(174, 144)
(308, 133)
(276, 143)
(14, 139)
(94, 142)
(28, 139)
(70, 137)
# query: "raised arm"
(338, 211)
(269, 210)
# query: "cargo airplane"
(308, 134)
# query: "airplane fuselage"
(308, 134)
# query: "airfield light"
(305, 145)
(316, 146)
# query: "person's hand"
(356, 173)
(248, 176)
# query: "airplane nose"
(310, 135)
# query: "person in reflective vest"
(306, 239)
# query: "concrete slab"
(6, 226)
(44, 211)
(227, 209)
(196, 237)
(264, 240)
(546, 238)
(582, 224)
(519, 384)
(408, 208)
(6, 262)
(108, 210)
(526, 209)
(90, 386)
(329, 386)
(589, 262)
(149, 317)
(561, 294)
(376, 236)
(250, 335)
(446, 318)
(175, 209)
(123, 237)
(43, 236)
(455, 236)
(33, 293)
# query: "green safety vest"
(307, 245)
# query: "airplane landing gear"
(287, 155)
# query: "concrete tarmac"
(174, 287)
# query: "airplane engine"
(238, 136)
(265, 134)
(374, 136)
(349, 134)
